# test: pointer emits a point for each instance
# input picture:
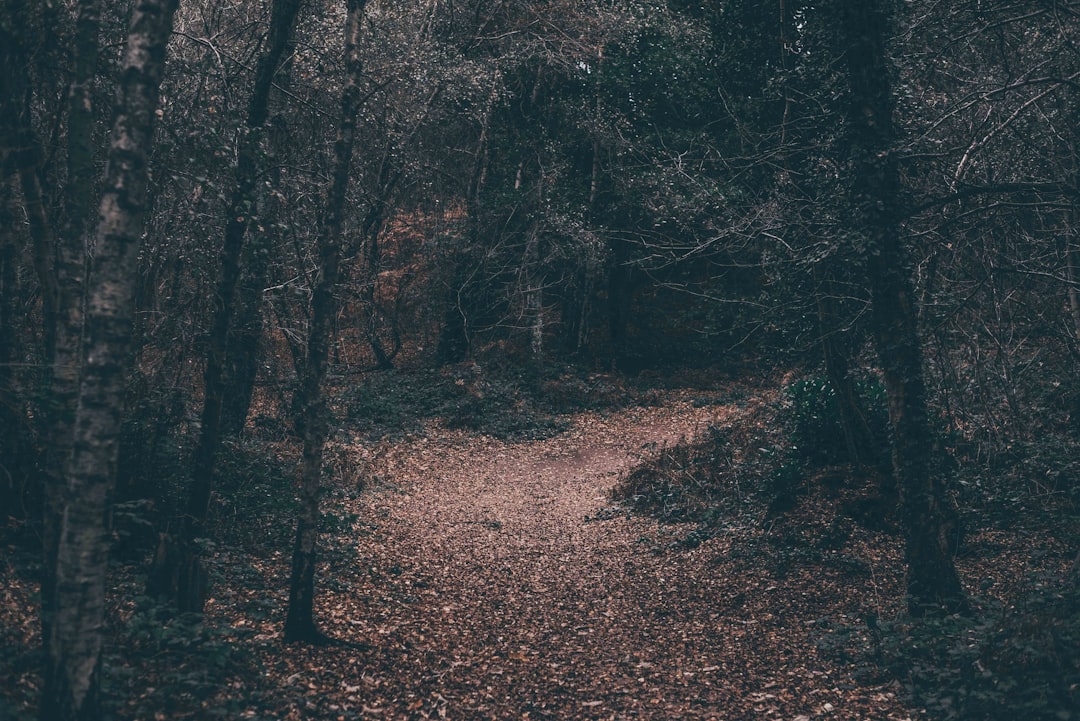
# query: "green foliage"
(717, 476)
(190, 659)
(763, 457)
(506, 402)
(503, 407)
(256, 505)
(811, 415)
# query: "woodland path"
(487, 588)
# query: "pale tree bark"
(932, 581)
(73, 665)
(312, 423)
(57, 259)
(190, 586)
(534, 293)
(68, 285)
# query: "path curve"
(488, 590)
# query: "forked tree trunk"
(300, 617)
(246, 331)
(73, 665)
(932, 582)
(191, 579)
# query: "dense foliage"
(535, 191)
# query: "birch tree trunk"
(311, 424)
(932, 582)
(69, 284)
(73, 665)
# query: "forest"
(540, 359)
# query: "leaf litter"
(474, 578)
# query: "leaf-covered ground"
(473, 578)
(496, 580)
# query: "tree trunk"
(59, 261)
(837, 350)
(370, 230)
(932, 582)
(300, 619)
(243, 348)
(619, 295)
(190, 593)
(454, 335)
(73, 665)
(534, 294)
(1072, 276)
(69, 277)
(13, 462)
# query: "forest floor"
(475, 578)
(496, 580)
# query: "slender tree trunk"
(12, 446)
(619, 295)
(371, 229)
(190, 577)
(534, 294)
(246, 334)
(454, 336)
(1072, 271)
(300, 619)
(73, 665)
(932, 582)
(837, 350)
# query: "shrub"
(1019, 661)
(811, 415)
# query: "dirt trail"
(486, 593)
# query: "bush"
(1018, 661)
(811, 416)
(256, 495)
(502, 401)
(176, 663)
(719, 474)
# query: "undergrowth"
(1012, 659)
(508, 403)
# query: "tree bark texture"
(246, 330)
(68, 283)
(12, 454)
(190, 577)
(370, 231)
(932, 582)
(300, 620)
(73, 665)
